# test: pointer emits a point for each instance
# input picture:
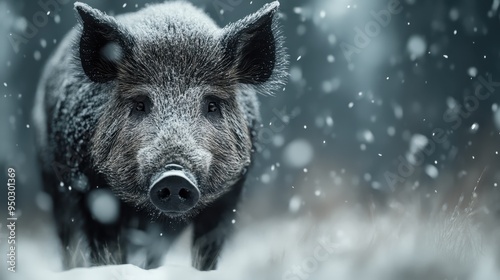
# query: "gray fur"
(175, 55)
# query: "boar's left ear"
(103, 44)
(254, 48)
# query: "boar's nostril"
(164, 193)
(184, 193)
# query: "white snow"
(472, 71)
(366, 136)
(431, 171)
(398, 111)
(298, 153)
(391, 131)
(327, 86)
(418, 142)
(294, 204)
(329, 121)
(295, 74)
(112, 52)
(265, 178)
(332, 39)
(43, 201)
(278, 140)
(416, 46)
(454, 14)
(330, 58)
(103, 205)
(37, 55)
(474, 128)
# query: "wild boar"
(157, 107)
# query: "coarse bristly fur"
(174, 61)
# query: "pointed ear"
(103, 44)
(254, 48)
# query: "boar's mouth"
(174, 191)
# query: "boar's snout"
(174, 191)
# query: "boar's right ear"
(103, 44)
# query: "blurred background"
(387, 101)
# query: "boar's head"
(176, 130)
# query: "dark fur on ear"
(103, 44)
(254, 48)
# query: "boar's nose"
(174, 191)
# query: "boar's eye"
(212, 108)
(140, 105)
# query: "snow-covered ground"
(404, 242)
